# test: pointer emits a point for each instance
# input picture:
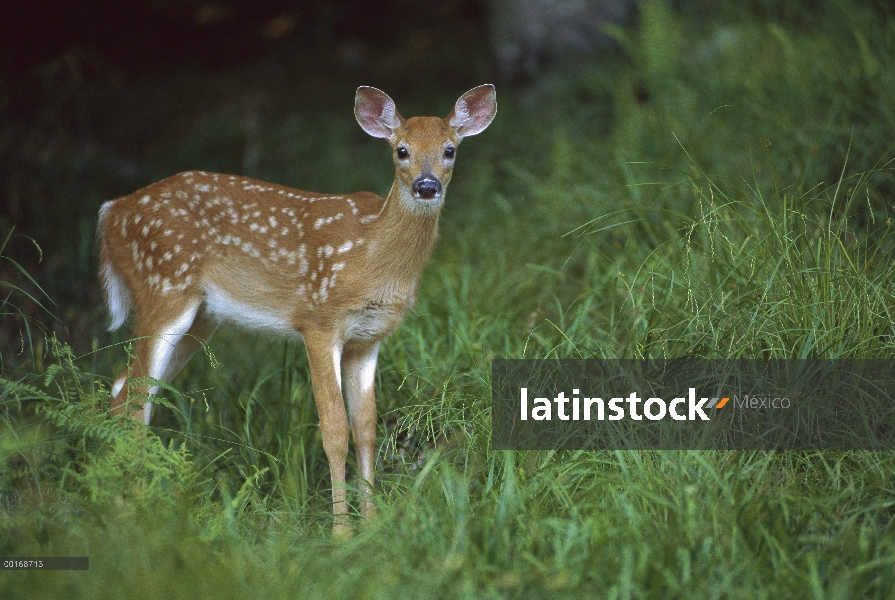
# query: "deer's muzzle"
(427, 186)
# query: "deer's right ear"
(376, 112)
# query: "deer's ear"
(474, 111)
(376, 112)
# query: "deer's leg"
(199, 334)
(324, 358)
(359, 369)
(156, 350)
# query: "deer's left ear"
(474, 111)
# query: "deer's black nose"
(426, 186)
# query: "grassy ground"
(722, 188)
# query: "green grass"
(723, 193)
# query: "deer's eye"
(449, 152)
(402, 153)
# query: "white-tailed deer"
(338, 270)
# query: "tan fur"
(341, 271)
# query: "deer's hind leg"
(162, 351)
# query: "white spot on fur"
(322, 294)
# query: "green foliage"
(721, 189)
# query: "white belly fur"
(222, 307)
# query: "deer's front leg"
(359, 368)
(324, 359)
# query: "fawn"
(339, 271)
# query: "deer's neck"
(404, 234)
